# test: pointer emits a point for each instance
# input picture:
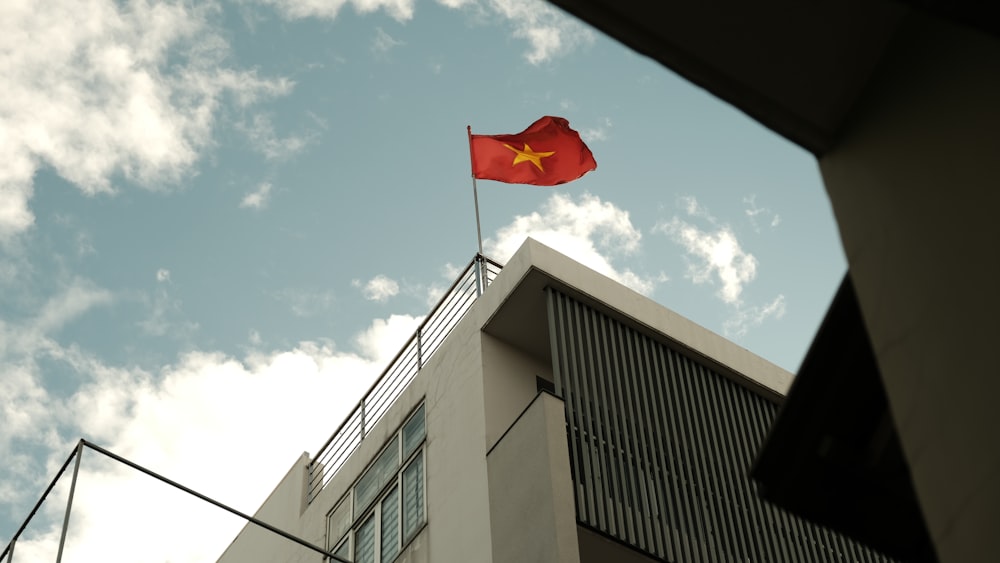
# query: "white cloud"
(81, 236)
(450, 271)
(29, 412)
(590, 231)
(165, 315)
(433, 292)
(746, 317)
(385, 337)
(400, 10)
(24, 406)
(220, 425)
(15, 192)
(305, 302)
(380, 288)
(163, 275)
(77, 298)
(753, 211)
(260, 132)
(99, 88)
(257, 199)
(383, 42)
(715, 255)
(84, 244)
(549, 32)
(597, 134)
(693, 208)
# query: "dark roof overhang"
(796, 67)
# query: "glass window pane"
(364, 540)
(344, 550)
(413, 432)
(340, 520)
(413, 497)
(390, 526)
(378, 475)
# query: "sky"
(220, 219)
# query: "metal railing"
(401, 370)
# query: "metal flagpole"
(481, 279)
(475, 192)
(475, 199)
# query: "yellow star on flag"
(528, 155)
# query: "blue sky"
(219, 220)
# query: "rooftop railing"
(402, 369)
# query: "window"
(344, 549)
(413, 497)
(390, 525)
(364, 541)
(338, 522)
(371, 484)
(413, 432)
(388, 500)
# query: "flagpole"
(482, 276)
(475, 193)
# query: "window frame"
(373, 508)
(405, 539)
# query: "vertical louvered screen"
(660, 448)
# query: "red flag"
(547, 153)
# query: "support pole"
(69, 501)
(10, 546)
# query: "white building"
(564, 418)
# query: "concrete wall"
(281, 510)
(509, 384)
(532, 508)
(915, 186)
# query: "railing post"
(420, 349)
(69, 501)
(10, 554)
(362, 418)
(309, 478)
(479, 275)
